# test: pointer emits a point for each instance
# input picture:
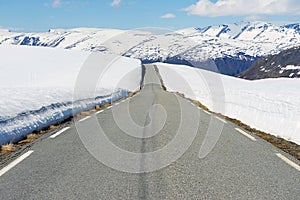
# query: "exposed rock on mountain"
(284, 64)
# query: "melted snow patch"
(291, 67)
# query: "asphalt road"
(84, 163)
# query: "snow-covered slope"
(233, 47)
(271, 105)
(254, 31)
(41, 86)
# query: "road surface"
(238, 167)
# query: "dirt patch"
(8, 148)
(86, 113)
(97, 107)
(200, 105)
(130, 94)
(30, 138)
(106, 105)
(53, 127)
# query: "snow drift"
(270, 105)
(37, 86)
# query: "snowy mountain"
(285, 64)
(230, 48)
(258, 31)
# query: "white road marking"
(109, 107)
(207, 112)
(246, 134)
(117, 104)
(222, 120)
(84, 118)
(15, 162)
(59, 132)
(288, 161)
(99, 112)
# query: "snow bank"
(270, 105)
(37, 86)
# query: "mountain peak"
(295, 26)
(255, 30)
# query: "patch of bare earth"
(7, 148)
(30, 138)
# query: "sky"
(42, 15)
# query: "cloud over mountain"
(244, 8)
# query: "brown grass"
(180, 94)
(44, 131)
(134, 93)
(106, 105)
(86, 113)
(52, 127)
(30, 138)
(200, 105)
(8, 148)
(33, 136)
(130, 94)
(97, 107)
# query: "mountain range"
(283, 64)
(229, 48)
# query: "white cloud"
(168, 16)
(115, 3)
(254, 18)
(244, 8)
(56, 3)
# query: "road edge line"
(99, 112)
(222, 120)
(59, 132)
(245, 134)
(15, 162)
(83, 119)
(288, 161)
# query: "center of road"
(147, 147)
(146, 133)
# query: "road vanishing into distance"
(73, 164)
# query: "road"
(74, 165)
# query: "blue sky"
(41, 15)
